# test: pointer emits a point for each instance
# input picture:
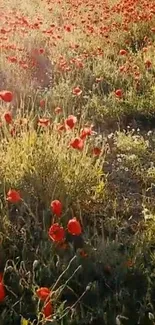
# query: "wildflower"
(2, 290)
(86, 132)
(56, 207)
(71, 120)
(43, 122)
(56, 233)
(6, 95)
(42, 103)
(148, 64)
(41, 51)
(119, 93)
(47, 309)
(74, 227)
(13, 196)
(122, 52)
(61, 127)
(43, 293)
(77, 91)
(145, 49)
(83, 253)
(1, 277)
(8, 117)
(96, 151)
(68, 28)
(77, 143)
(13, 131)
(58, 110)
(12, 59)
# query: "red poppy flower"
(68, 28)
(13, 132)
(58, 110)
(6, 95)
(1, 277)
(41, 51)
(24, 65)
(123, 52)
(8, 117)
(83, 253)
(79, 64)
(119, 93)
(77, 91)
(74, 227)
(12, 59)
(43, 293)
(42, 103)
(122, 68)
(56, 207)
(148, 64)
(56, 233)
(96, 151)
(2, 292)
(71, 121)
(61, 127)
(47, 309)
(145, 49)
(86, 132)
(13, 196)
(44, 122)
(77, 143)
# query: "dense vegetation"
(77, 162)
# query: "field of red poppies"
(77, 162)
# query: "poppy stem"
(61, 275)
(63, 286)
(29, 210)
(66, 311)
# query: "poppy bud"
(56, 207)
